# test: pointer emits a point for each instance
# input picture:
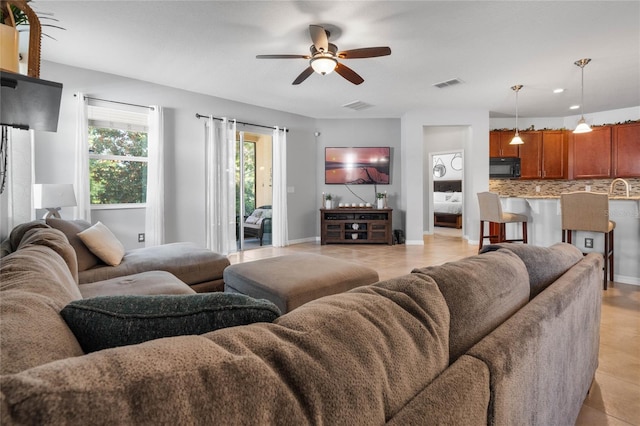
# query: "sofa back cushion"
(35, 284)
(57, 242)
(18, 232)
(351, 358)
(71, 229)
(544, 264)
(481, 292)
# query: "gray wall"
(355, 133)
(184, 150)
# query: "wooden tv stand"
(352, 225)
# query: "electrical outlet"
(537, 188)
(587, 188)
(141, 238)
(588, 242)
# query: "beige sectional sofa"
(506, 337)
(196, 266)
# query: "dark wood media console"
(356, 226)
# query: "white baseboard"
(626, 280)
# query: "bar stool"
(491, 211)
(589, 211)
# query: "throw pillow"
(110, 321)
(71, 228)
(103, 244)
(456, 197)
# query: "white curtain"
(280, 230)
(154, 214)
(20, 177)
(220, 189)
(81, 178)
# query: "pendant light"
(517, 140)
(582, 126)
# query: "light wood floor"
(615, 395)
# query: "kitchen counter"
(545, 229)
(557, 197)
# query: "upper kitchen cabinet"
(554, 154)
(626, 150)
(543, 154)
(590, 154)
(531, 155)
(499, 144)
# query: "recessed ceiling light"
(559, 90)
(574, 107)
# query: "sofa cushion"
(544, 264)
(110, 321)
(35, 284)
(18, 232)
(352, 358)
(144, 283)
(101, 241)
(187, 261)
(482, 292)
(32, 332)
(71, 228)
(56, 241)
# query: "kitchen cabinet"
(530, 154)
(499, 144)
(543, 154)
(626, 150)
(590, 154)
(554, 154)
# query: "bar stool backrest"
(490, 207)
(585, 211)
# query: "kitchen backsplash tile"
(518, 188)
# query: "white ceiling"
(209, 47)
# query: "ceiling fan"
(324, 57)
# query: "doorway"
(443, 177)
(254, 194)
(447, 193)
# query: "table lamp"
(52, 197)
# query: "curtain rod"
(240, 122)
(117, 102)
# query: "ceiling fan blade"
(367, 52)
(319, 38)
(349, 74)
(303, 75)
(283, 57)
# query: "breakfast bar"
(545, 229)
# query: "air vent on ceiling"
(357, 105)
(448, 83)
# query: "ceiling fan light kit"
(323, 64)
(324, 57)
(582, 126)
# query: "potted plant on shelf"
(328, 201)
(16, 16)
(380, 200)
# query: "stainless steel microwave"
(504, 167)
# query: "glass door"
(253, 190)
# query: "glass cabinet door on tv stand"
(356, 226)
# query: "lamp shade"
(582, 127)
(52, 196)
(517, 140)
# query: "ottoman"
(293, 280)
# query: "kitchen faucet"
(615, 181)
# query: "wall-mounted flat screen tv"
(359, 165)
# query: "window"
(117, 157)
